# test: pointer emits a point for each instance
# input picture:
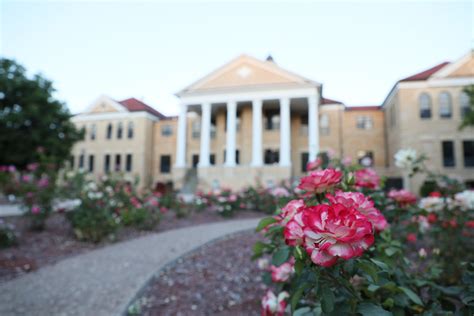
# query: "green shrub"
(141, 218)
(93, 223)
(7, 235)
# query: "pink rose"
(290, 209)
(35, 209)
(320, 181)
(402, 197)
(43, 182)
(274, 305)
(313, 165)
(361, 203)
(367, 178)
(293, 231)
(333, 231)
(283, 272)
(347, 161)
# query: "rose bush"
(340, 248)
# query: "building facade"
(253, 121)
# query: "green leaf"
(281, 256)
(327, 299)
(370, 309)
(373, 288)
(390, 251)
(296, 298)
(411, 295)
(299, 265)
(380, 264)
(304, 311)
(369, 269)
(264, 222)
(258, 248)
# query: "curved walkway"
(103, 281)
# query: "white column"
(257, 133)
(231, 131)
(181, 146)
(205, 135)
(313, 126)
(285, 133)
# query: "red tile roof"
(329, 101)
(134, 105)
(425, 74)
(363, 108)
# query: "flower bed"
(346, 247)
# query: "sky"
(150, 50)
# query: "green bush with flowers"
(346, 247)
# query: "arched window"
(109, 131)
(93, 131)
(445, 106)
(425, 106)
(119, 130)
(464, 104)
(130, 130)
(324, 124)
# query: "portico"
(261, 92)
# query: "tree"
(468, 119)
(33, 123)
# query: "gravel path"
(103, 281)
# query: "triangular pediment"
(463, 67)
(104, 104)
(246, 71)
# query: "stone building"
(253, 121)
(424, 111)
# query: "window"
(324, 124)
(304, 124)
(93, 131)
(468, 152)
(81, 161)
(304, 161)
(118, 162)
(195, 160)
(364, 122)
(237, 156)
(119, 130)
(272, 120)
(425, 106)
(212, 159)
(365, 158)
(130, 130)
(128, 163)
(464, 102)
(166, 130)
(445, 107)
(213, 128)
(448, 153)
(91, 163)
(196, 129)
(165, 164)
(271, 157)
(107, 163)
(109, 131)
